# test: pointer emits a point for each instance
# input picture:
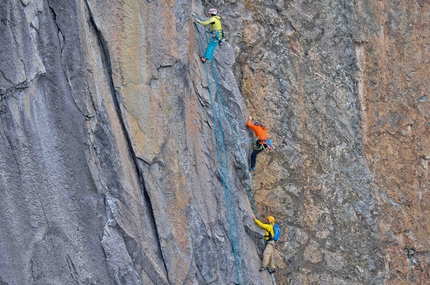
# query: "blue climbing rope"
(222, 112)
(225, 176)
(236, 133)
(232, 127)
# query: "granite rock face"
(123, 159)
(344, 87)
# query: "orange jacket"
(260, 131)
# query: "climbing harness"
(259, 146)
(263, 144)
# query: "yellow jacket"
(214, 21)
(268, 227)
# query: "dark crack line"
(106, 59)
(62, 44)
(46, 218)
(72, 268)
(7, 79)
(59, 32)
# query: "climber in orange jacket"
(261, 143)
(269, 251)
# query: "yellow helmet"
(271, 219)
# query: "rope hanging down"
(225, 180)
(236, 134)
(223, 159)
(222, 103)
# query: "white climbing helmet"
(213, 11)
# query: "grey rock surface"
(123, 158)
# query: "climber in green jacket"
(269, 251)
(216, 26)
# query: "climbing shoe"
(271, 271)
(262, 268)
(252, 169)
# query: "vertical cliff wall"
(344, 87)
(123, 159)
(110, 170)
(393, 81)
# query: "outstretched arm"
(250, 125)
(207, 22)
(267, 227)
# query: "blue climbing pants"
(212, 46)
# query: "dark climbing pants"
(258, 148)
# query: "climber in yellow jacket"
(215, 22)
(269, 251)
